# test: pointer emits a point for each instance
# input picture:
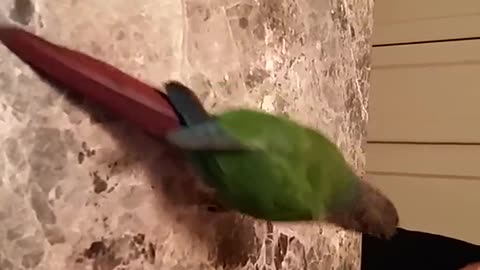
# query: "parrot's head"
(371, 213)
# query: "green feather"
(285, 178)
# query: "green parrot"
(271, 168)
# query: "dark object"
(414, 250)
(102, 83)
(96, 249)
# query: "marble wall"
(80, 189)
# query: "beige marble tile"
(80, 189)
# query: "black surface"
(417, 250)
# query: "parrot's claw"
(214, 208)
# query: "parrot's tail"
(95, 80)
(371, 213)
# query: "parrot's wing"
(208, 136)
(187, 105)
(202, 132)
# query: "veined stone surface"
(80, 189)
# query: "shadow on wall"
(230, 237)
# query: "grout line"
(423, 143)
(426, 175)
(424, 42)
